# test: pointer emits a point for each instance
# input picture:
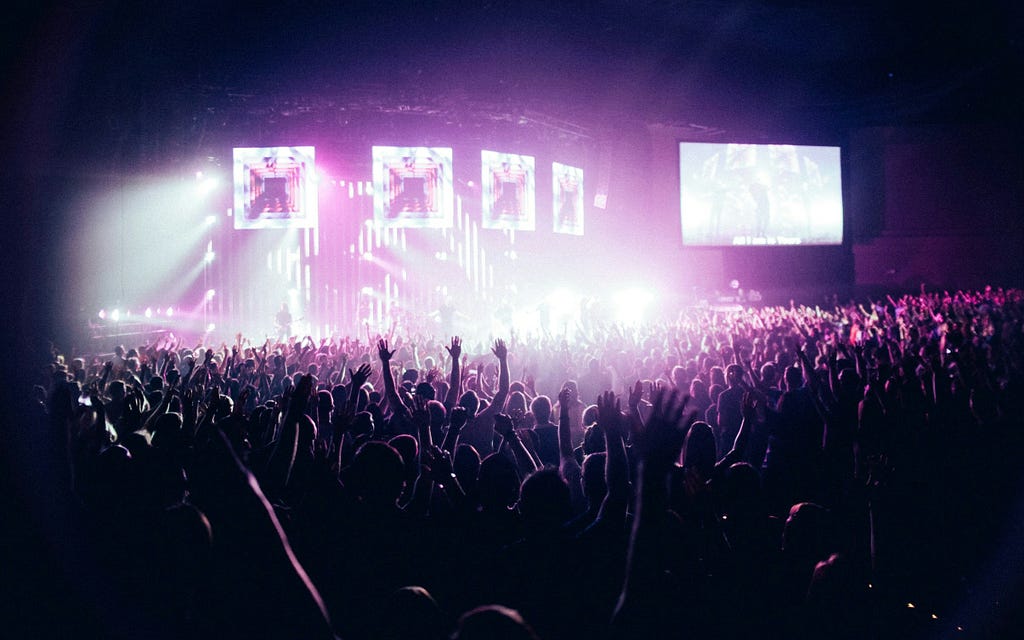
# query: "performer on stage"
(283, 322)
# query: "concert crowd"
(773, 472)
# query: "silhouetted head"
(406, 447)
(437, 413)
(516, 402)
(544, 501)
(734, 374)
(376, 475)
(541, 408)
(466, 465)
(470, 402)
(593, 439)
(741, 495)
(699, 392)
(410, 613)
(493, 622)
(794, 378)
(497, 482)
(699, 449)
(807, 532)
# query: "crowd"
(774, 472)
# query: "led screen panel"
(509, 191)
(275, 188)
(567, 185)
(760, 194)
(412, 187)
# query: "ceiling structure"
(132, 72)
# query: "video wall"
(509, 191)
(730, 194)
(760, 194)
(274, 188)
(413, 187)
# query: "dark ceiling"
(762, 66)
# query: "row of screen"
(730, 194)
(412, 187)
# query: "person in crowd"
(296, 489)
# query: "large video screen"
(567, 184)
(509, 196)
(275, 188)
(760, 194)
(412, 187)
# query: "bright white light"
(149, 312)
(211, 219)
(210, 327)
(631, 305)
(206, 185)
(102, 314)
(210, 293)
(367, 256)
(366, 291)
(209, 256)
(199, 176)
(115, 315)
(369, 188)
(170, 311)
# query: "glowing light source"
(209, 256)
(631, 305)
(102, 314)
(149, 312)
(210, 293)
(210, 327)
(206, 184)
(170, 311)
(115, 315)
(211, 220)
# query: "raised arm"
(641, 608)
(497, 404)
(524, 461)
(616, 468)
(501, 352)
(390, 391)
(455, 381)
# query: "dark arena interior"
(551, 320)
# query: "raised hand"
(635, 395)
(360, 375)
(438, 464)
(609, 413)
(459, 417)
(456, 349)
(659, 442)
(749, 406)
(499, 349)
(300, 398)
(503, 425)
(243, 399)
(420, 414)
(382, 351)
